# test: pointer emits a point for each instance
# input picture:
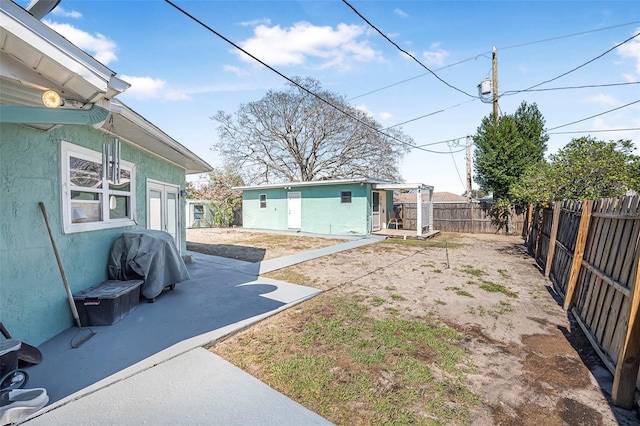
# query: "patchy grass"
(468, 269)
(496, 288)
(377, 301)
(291, 276)
(354, 369)
(433, 243)
(459, 291)
(504, 273)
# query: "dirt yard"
(532, 363)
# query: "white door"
(294, 204)
(375, 215)
(163, 209)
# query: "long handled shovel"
(72, 304)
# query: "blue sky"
(182, 74)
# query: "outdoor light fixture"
(51, 99)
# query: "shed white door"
(294, 204)
(163, 212)
(375, 215)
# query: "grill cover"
(148, 255)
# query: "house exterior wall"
(322, 210)
(33, 301)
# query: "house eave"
(136, 130)
(70, 70)
(403, 186)
(287, 185)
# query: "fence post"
(581, 240)
(624, 381)
(557, 207)
(525, 225)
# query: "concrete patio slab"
(157, 344)
(197, 388)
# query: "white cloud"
(601, 98)
(334, 47)
(364, 109)
(151, 88)
(255, 22)
(236, 70)
(631, 49)
(60, 11)
(98, 46)
(435, 56)
(381, 115)
(401, 13)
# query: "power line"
(432, 113)
(295, 83)
(404, 51)
(579, 66)
(414, 77)
(445, 141)
(593, 116)
(488, 52)
(568, 35)
(595, 131)
(456, 165)
(586, 86)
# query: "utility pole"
(469, 197)
(469, 169)
(494, 66)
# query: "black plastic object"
(16, 379)
(108, 302)
(27, 354)
(9, 355)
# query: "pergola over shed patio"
(424, 209)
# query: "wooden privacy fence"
(409, 214)
(591, 253)
(472, 217)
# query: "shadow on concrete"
(245, 253)
(212, 299)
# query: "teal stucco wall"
(322, 211)
(33, 302)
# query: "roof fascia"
(35, 33)
(400, 186)
(308, 183)
(117, 107)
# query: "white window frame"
(68, 150)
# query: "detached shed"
(199, 214)
(334, 207)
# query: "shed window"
(263, 201)
(345, 197)
(198, 211)
(90, 201)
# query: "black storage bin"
(108, 302)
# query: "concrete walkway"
(150, 367)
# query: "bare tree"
(291, 136)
